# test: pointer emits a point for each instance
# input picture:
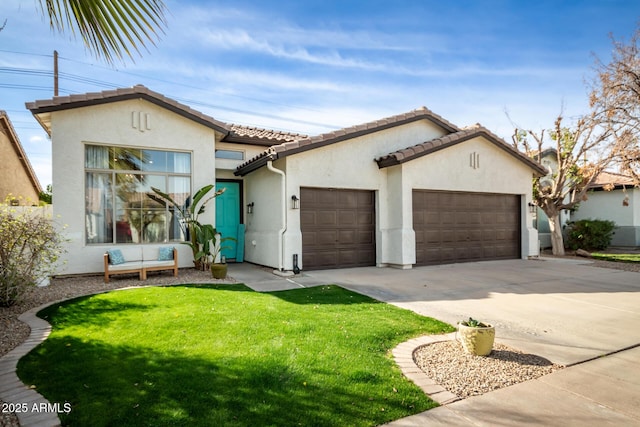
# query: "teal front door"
(228, 217)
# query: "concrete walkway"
(566, 311)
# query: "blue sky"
(314, 66)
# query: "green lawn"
(617, 257)
(227, 356)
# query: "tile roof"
(428, 147)
(258, 136)
(232, 132)
(41, 108)
(309, 143)
(13, 138)
(612, 180)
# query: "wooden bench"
(140, 259)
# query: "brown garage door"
(460, 227)
(338, 228)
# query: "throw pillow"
(165, 253)
(115, 256)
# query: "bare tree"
(110, 29)
(583, 150)
(615, 93)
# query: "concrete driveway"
(563, 310)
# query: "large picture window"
(119, 203)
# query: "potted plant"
(476, 337)
(199, 235)
(212, 249)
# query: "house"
(614, 197)
(412, 189)
(17, 177)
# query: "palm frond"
(110, 29)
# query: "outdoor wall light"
(532, 208)
(295, 202)
(250, 208)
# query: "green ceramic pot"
(219, 271)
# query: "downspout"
(284, 214)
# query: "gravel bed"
(466, 375)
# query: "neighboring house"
(614, 197)
(407, 190)
(17, 177)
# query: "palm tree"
(110, 29)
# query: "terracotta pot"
(477, 340)
(219, 271)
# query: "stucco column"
(399, 249)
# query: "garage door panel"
(347, 237)
(461, 218)
(326, 237)
(455, 226)
(324, 259)
(448, 218)
(347, 218)
(448, 235)
(475, 219)
(343, 225)
(459, 235)
(365, 198)
(347, 257)
(431, 236)
(366, 238)
(307, 217)
(310, 238)
(489, 235)
(347, 199)
(475, 235)
(326, 198)
(366, 218)
(326, 217)
(428, 217)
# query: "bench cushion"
(115, 257)
(153, 264)
(129, 265)
(165, 253)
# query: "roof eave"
(254, 165)
(393, 159)
(136, 93)
(236, 139)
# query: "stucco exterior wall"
(607, 205)
(450, 169)
(263, 188)
(114, 124)
(350, 164)
(14, 179)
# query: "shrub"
(30, 248)
(590, 234)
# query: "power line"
(104, 84)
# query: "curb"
(13, 390)
(403, 356)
